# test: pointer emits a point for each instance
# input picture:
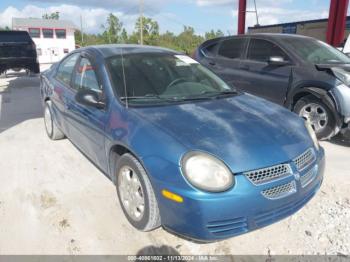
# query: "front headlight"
(312, 134)
(206, 172)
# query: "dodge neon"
(185, 151)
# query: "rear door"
(226, 62)
(261, 78)
(62, 90)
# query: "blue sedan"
(185, 150)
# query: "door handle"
(212, 63)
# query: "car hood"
(244, 131)
(324, 67)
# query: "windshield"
(316, 52)
(163, 78)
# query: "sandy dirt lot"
(54, 201)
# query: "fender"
(114, 156)
(325, 96)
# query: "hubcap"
(48, 120)
(316, 115)
(131, 193)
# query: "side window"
(65, 70)
(232, 48)
(210, 50)
(85, 76)
(262, 50)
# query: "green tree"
(150, 30)
(53, 16)
(212, 34)
(124, 36)
(188, 41)
(112, 28)
(113, 32)
(6, 28)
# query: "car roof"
(267, 36)
(116, 49)
(270, 36)
(278, 35)
(14, 36)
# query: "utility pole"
(81, 30)
(141, 22)
(256, 13)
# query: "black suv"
(301, 73)
(17, 51)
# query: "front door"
(261, 78)
(87, 123)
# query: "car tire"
(321, 117)
(52, 131)
(134, 188)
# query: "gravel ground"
(54, 201)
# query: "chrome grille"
(308, 177)
(264, 175)
(305, 160)
(280, 191)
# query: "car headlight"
(206, 172)
(312, 134)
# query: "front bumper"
(212, 216)
(341, 95)
(346, 132)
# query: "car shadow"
(158, 251)
(19, 100)
(340, 140)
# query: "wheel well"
(317, 93)
(298, 96)
(115, 153)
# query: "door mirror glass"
(277, 60)
(89, 98)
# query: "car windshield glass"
(148, 78)
(316, 52)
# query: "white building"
(53, 38)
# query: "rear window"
(232, 48)
(210, 49)
(14, 36)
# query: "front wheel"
(320, 116)
(136, 194)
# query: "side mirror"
(277, 61)
(89, 98)
(347, 54)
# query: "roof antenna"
(124, 79)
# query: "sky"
(172, 15)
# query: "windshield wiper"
(149, 97)
(208, 95)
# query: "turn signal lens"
(172, 196)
